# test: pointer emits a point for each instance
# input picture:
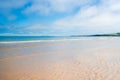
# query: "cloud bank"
(80, 16)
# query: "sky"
(59, 17)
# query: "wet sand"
(88, 59)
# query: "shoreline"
(56, 40)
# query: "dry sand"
(97, 59)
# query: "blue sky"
(59, 17)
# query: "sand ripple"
(96, 64)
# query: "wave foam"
(55, 40)
(32, 41)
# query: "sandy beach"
(87, 59)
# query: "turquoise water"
(43, 38)
(30, 38)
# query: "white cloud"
(101, 18)
(60, 6)
(104, 17)
(36, 27)
(91, 17)
(8, 4)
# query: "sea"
(19, 39)
(27, 39)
